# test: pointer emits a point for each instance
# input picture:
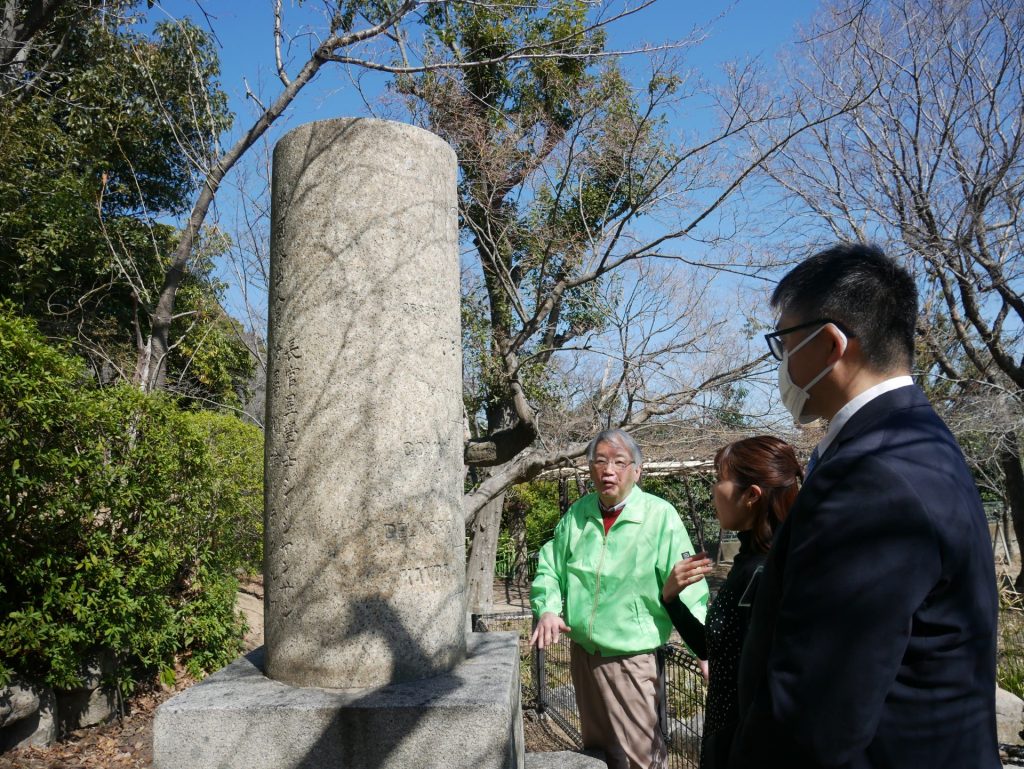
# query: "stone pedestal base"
(27, 717)
(564, 759)
(240, 719)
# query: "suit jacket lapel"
(871, 413)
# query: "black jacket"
(872, 639)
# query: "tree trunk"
(483, 552)
(696, 520)
(525, 467)
(151, 369)
(581, 487)
(1013, 477)
(1005, 521)
(515, 519)
(16, 36)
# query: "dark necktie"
(810, 464)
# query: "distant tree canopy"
(930, 163)
(574, 195)
(89, 165)
(506, 120)
(572, 318)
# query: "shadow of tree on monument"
(355, 366)
(373, 729)
(453, 718)
(364, 533)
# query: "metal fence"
(682, 717)
(556, 697)
(1010, 661)
(547, 688)
(506, 565)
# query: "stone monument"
(367, 661)
(365, 550)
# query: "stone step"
(564, 759)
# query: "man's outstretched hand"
(548, 629)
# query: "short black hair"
(860, 287)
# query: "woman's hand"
(685, 573)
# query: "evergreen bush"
(123, 521)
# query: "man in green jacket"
(599, 580)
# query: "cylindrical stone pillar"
(364, 539)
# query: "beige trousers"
(618, 703)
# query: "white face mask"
(795, 398)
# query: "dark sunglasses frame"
(773, 339)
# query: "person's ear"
(839, 342)
(753, 494)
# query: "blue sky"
(244, 31)
(244, 36)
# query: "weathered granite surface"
(18, 700)
(238, 718)
(1009, 717)
(85, 707)
(364, 551)
(91, 702)
(564, 759)
(30, 719)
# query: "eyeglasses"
(774, 339)
(615, 464)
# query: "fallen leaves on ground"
(125, 743)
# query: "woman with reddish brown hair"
(757, 481)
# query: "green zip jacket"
(611, 585)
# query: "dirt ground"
(121, 744)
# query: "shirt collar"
(843, 415)
(620, 506)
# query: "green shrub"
(117, 526)
(209, 628)
(691, 498)
(235, 487)
(539, 500)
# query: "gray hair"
(615, 436)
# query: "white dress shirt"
(843, 415)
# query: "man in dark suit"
(873, 634)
